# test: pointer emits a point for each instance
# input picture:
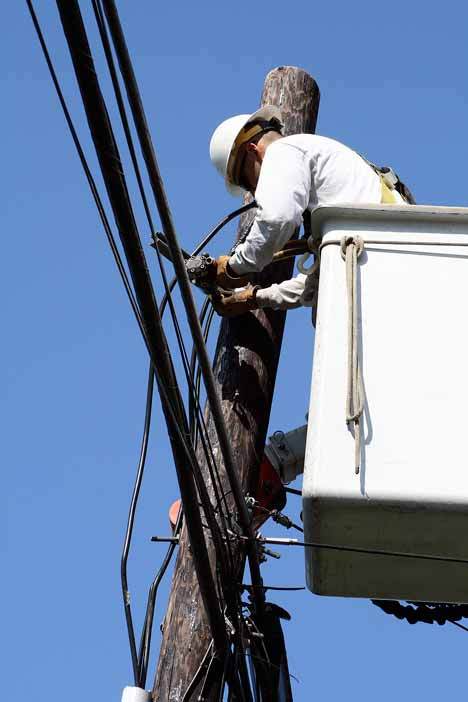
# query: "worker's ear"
(253, 148)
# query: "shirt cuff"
(284, 296)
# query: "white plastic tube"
(286, 452)
(135, 694)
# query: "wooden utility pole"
(245, 367)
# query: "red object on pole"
(174, 510)
(270, 493)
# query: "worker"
(287, 176)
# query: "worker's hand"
(225, 277)
(239, 302)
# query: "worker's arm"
(283, 296)
(282, 195)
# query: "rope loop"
(348, 241)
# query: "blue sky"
(393, 84)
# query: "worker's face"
(250, 163)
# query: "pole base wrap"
(135, 694)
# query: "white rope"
(351, 249)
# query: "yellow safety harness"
(387, 194)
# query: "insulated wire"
(84, 163)
(98, 13)
(124, 275)
(105, 222)
(352, 549)
(120, 266)
(147, 627)
(95, 194)
(227, 513)
(159, 193)
(130, 524)
(222, 223)
(218, 542)
(121, 106)
(136, 311)
(458, 624)
(145, 643)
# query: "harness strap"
(387, 196)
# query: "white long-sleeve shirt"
(299, 172)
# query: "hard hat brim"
(267, 112)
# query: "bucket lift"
(410, 330)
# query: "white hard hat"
(231, 134)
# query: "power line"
(184, 283)
(143, 303)
(352, 549)
(111, 167)
(87, 170)
(205, 438)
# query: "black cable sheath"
(110, 62)
(353, 549)
(206, 240)
(111, 167)
(131, 521)
(120, 104)
(185, 286)
(84, 163)
(122, 271)
(122, 111)
(145, 643)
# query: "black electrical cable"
(130, 294)
(206, 240)
(458, 624)
(279, 518)
(184, 283)
(110, 62)
(128, 136)
(293, 491)
(223, 679)
(222, 223)
(133, 303)
(149, 616)
(94, 190)
(88, 174)
(130, 523)
(109, 160)
(98, 13)
(126, 127)
(240, 678)
(352, 549)
(150, 611)
(285, 588)
(145, 643)
(221, 494)
(193, 360)
(87, 170)
(425, 612)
